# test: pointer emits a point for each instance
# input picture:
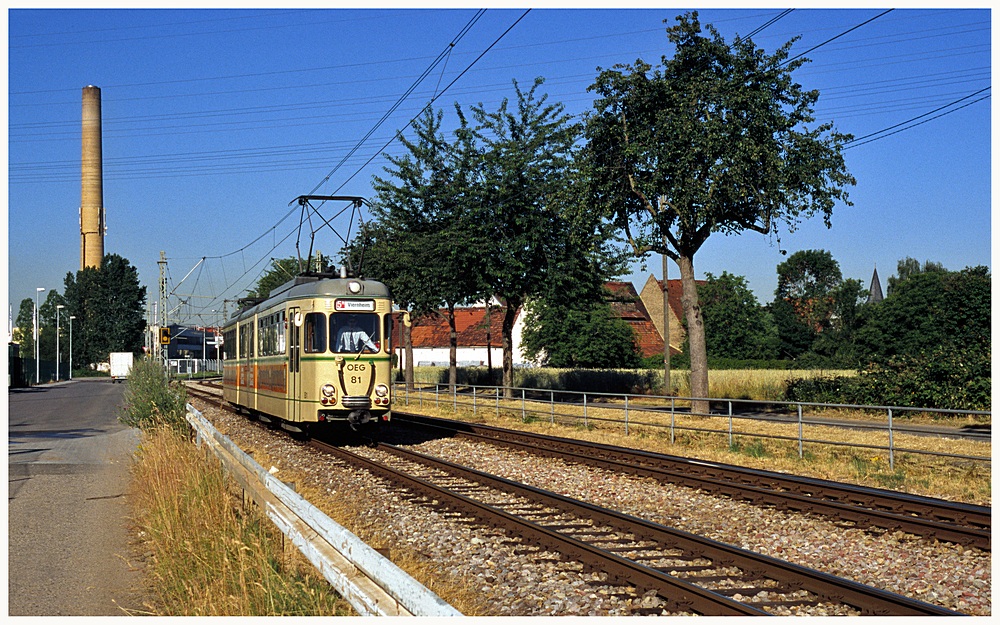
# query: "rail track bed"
(670, 571)
(964, 524)
(521, 572)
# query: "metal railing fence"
(589, 409)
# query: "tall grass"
(212, 556)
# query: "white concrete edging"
(370, 582)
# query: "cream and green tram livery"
(315, 352)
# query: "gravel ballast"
(515, 580)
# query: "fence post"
(584, 410)
(626, 415)
(672, 417)
(454, 398)
(730, 424)
(473, 400)
(800, 431)
(524, 417)
(497, 391)
(892, 463)
(552, 405)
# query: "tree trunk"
(452, 350)
(696, 336)
(408, 349)
(509, 315)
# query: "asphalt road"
(68, 473)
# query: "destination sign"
(355, 304)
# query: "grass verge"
(211, 555)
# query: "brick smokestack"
(92, 224)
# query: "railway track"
(961, 523)
(665, 570)
(685, 573)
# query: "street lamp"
(71, 318)
(37, 291)
(58, 308)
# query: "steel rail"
(964, 524)
(680, 595)
(753, 566)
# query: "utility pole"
(162, 321)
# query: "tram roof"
(306, 286)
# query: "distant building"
(652, 299)
(480, 340)
(189, 342)
(628, 306)
(875, 289)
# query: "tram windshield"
(355, 333)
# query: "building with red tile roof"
(480, 338)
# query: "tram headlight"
(381, 390)
(328, 390)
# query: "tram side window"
(314, 339)
(388, 334)
(246, 341)
(279, 330)
(229, 344)
(268, 333)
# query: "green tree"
(47, 322)
(278, 273)
(24, 333)
(804, 299)
(525, 173)
(910, 267)
(930, 310)
(736, 326)
(715, 139)
(424, 246)
(108, 303)
(569, 333)
(837, 341)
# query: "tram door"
(294, 411)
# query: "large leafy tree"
(524, 212)
(716, 139)
(280, 271)
(910, 267)
(804, 298)
(930, 310)
(736, 326)
(108, 303)
(424, 244)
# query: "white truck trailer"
(121, 364)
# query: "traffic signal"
(164, 336)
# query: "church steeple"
(875, 290)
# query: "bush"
(946, 378)
(150, 402)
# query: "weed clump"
(150, 401)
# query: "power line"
(859, 140)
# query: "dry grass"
(211, 556)
(756, 444)
(354, 511)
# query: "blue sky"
(214, 120)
